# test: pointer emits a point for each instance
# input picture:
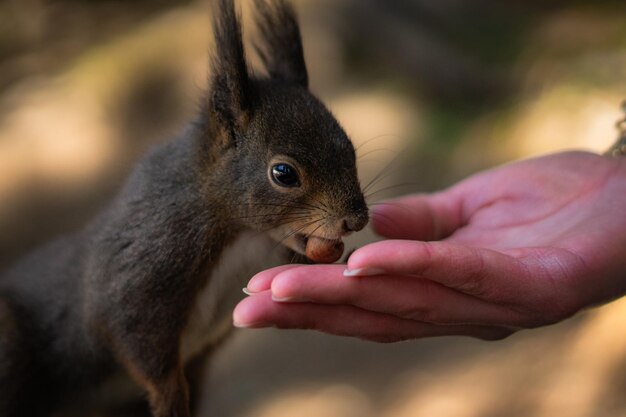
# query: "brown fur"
(117, 297)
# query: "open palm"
(519, 246)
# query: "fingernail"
(253, 325)
(285, 299)
(246, 291)
(362, 272)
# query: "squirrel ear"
(230, 99)
(280, 49)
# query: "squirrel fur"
(263, 163)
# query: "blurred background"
(430, 91)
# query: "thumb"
(418, 217)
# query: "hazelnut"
(323, 251)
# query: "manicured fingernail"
(362, 272)
(253, 325)
(246, 291)
(285, 299)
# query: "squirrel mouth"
(319, 249)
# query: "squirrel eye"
(285, 175)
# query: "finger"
(260, 311)
(263, 280)
(418, 217)
(403, 296)
(483, 273)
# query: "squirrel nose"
(355, 222)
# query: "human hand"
(523, 245)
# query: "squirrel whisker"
(382, 173)
(296, 231)
(312, 233)
(391, 187)
(384, 135)
(304, 204)
(296, 205)
(302, 215)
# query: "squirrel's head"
(284, 161)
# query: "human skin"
(523, 245)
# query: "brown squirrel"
(264, 175)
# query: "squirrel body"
(130, 306)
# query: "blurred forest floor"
(430, 92)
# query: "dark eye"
(285, 175)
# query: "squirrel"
(262, 176)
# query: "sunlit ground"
(69, 136)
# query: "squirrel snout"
(355, 222)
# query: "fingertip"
(384, 217)
(262, 281)
(289, 283)
(259, 282)
(366, 260)
(282, 286)
(387, 257)
(418, 217)
(408, 217)
(249, 313)
(357, 262)
(242, 312)
(297, 283)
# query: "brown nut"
(323, 251)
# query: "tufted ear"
(231, 93)
(280, 47)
